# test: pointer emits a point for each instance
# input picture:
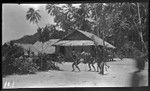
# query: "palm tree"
(33, 16)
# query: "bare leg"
(98, 67)
(102, 68)
(93, 66)
(107, 65)
(77, 67)
(89, 67)
(73, 66)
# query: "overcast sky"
(14, 23)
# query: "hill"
(31, 39)
(28, 39)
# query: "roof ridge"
(91, 36)
(86, 32)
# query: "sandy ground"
(118, 75)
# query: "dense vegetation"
(124, 25)
(15, 62)
(117, 23)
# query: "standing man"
(104, 58)
(99, 59)
(75, 60)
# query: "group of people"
(86, 57)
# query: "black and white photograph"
(61, 45)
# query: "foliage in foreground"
(25, 66)
(12, 63)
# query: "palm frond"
(33, 16)
(30, 10)
(49, 8)
(37, 15)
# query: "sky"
(14, 23)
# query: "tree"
(140, 30)
(119, 20)
(45, 34)
(33, 16)
(117, 23)
(68, 17)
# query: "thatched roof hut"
(79, 40)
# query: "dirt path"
(118, 75)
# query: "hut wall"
(67, 50)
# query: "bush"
(126, 51)
(25, 66)
(11, 63)
(7, 68)
(48, 62)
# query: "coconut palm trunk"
(42, 57)
(140, 31)
(102, 68)
(98, 32)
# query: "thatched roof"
(27, 47)
(75, 43)
(93, 39)
(47, 46)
